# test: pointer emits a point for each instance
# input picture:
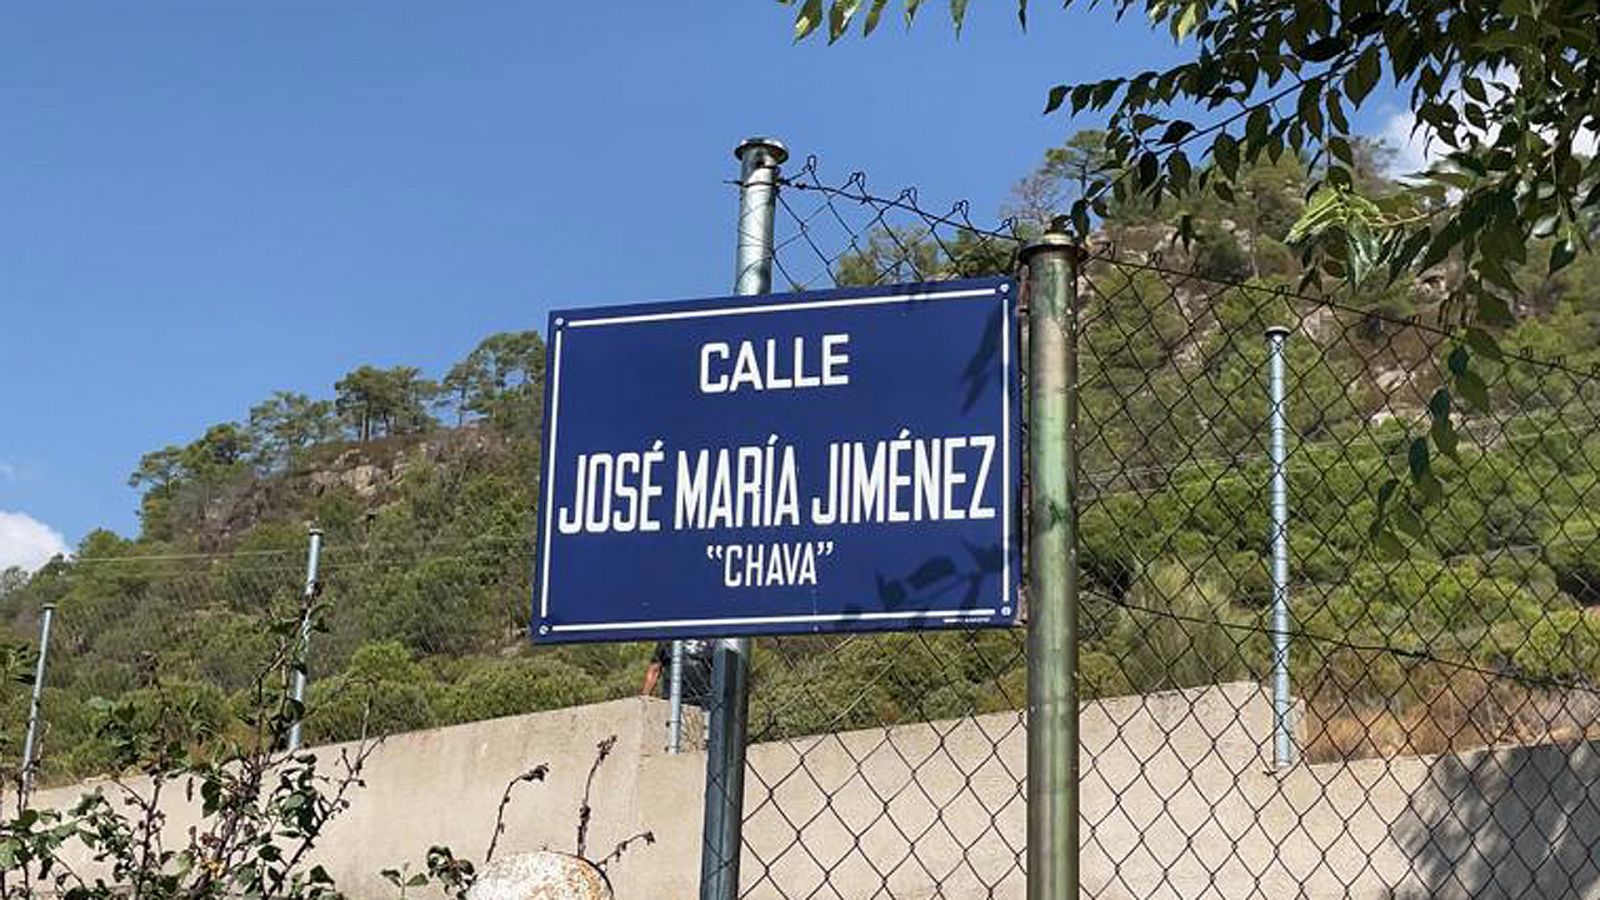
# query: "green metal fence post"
(1052, 264)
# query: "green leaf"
(1178, 169)
(1406, 519)
(1501, 40)
(1387, 545)
(1309, 106)
(1445, 438)
(1484, 344)
(1255, 127)
(911, 11)
(1461, 181)
(1186, 21)
(1493, 311)
(1545, 225)
(1365, 250)
(1324, 210)
(1325, 49)
(808, 19)
(1358, 83)
(1439, 404)
(1081, 95)
(1104, 91)
(958, 14)
(1078, 214)
(1430, 488)
(1225, 152)
(1401, 258)
(1186, 230)
(1473, 390)
(1440, 246)
(1340, 148)
(839, 16)
(1386, 491)
(1176, 131)
(873, 15)
(1149, 169)
(1562, 253)
(1058, 95)
(1336, 111)
(1443, 430)
(1418, 460)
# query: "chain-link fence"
(885, 765)
(189, 633)
(1441, 655)
(1438, 649)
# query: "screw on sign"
(545, 875)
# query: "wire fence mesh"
(887, 765)
(1442, 673)
(189, 632)
(1441, 663)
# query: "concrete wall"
(1178, 802)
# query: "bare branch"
(537, 773)
(603, 750)
(649, 837)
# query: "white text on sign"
(777, 366)
(903, 479)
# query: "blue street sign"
(831, 461)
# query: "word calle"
(725, 369)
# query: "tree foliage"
(285, 426)
(1507, 91)
(385, 402)
(428, 565)
(1506, 94)
(500, 380)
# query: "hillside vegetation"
(426, 491)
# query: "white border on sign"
(957, 614)
(820, 618)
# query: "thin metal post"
(303, 651)
(1282, 711)
(30, 743)
(1052, 281)
(759, 159)
(675, 698)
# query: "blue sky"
(202, 202)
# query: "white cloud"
(27, 542)
(1415, 151)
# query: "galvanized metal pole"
(1052, 263)
(1284, 750)
(759, 159)
(303, 652)
(675, 698)
(30, 743)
